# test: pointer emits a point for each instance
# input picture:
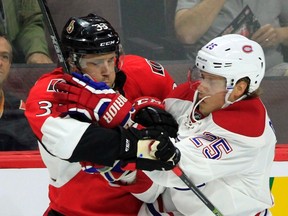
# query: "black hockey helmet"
(89, 34)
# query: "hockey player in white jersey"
(225, 137)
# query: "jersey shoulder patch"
(156, 67)
(133, 63)
(246, 117)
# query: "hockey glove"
(150, 112)
(147, 149)
(94, 100)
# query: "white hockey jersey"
(227, 154)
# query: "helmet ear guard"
(234, 57)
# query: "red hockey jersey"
(71, 191)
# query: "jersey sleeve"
(65, 137)
(143, 188)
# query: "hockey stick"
(177, 170)
(53, 34)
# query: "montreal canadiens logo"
(247, 49)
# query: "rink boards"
(24, 183)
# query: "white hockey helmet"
(233, 56)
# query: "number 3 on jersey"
(215, 147)
(46, 107)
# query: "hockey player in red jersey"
(226, 137)
(69, 133)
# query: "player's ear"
(238, 90)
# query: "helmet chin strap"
(195, 105)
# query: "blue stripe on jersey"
(185, 189)
(152, 210)
(108, 176)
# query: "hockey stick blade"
(53, 34)
(178, 171)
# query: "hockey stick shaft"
(53, 34)
(178, 171)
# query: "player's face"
(5, 59)
(214, 89)
(100, 68)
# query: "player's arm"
(147, 149)
(98, 145)
(61, 136)
(101, 104)
(98, 103)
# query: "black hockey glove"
(150, 112)
(147, 149)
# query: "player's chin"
(204, 108)
(109, 82)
